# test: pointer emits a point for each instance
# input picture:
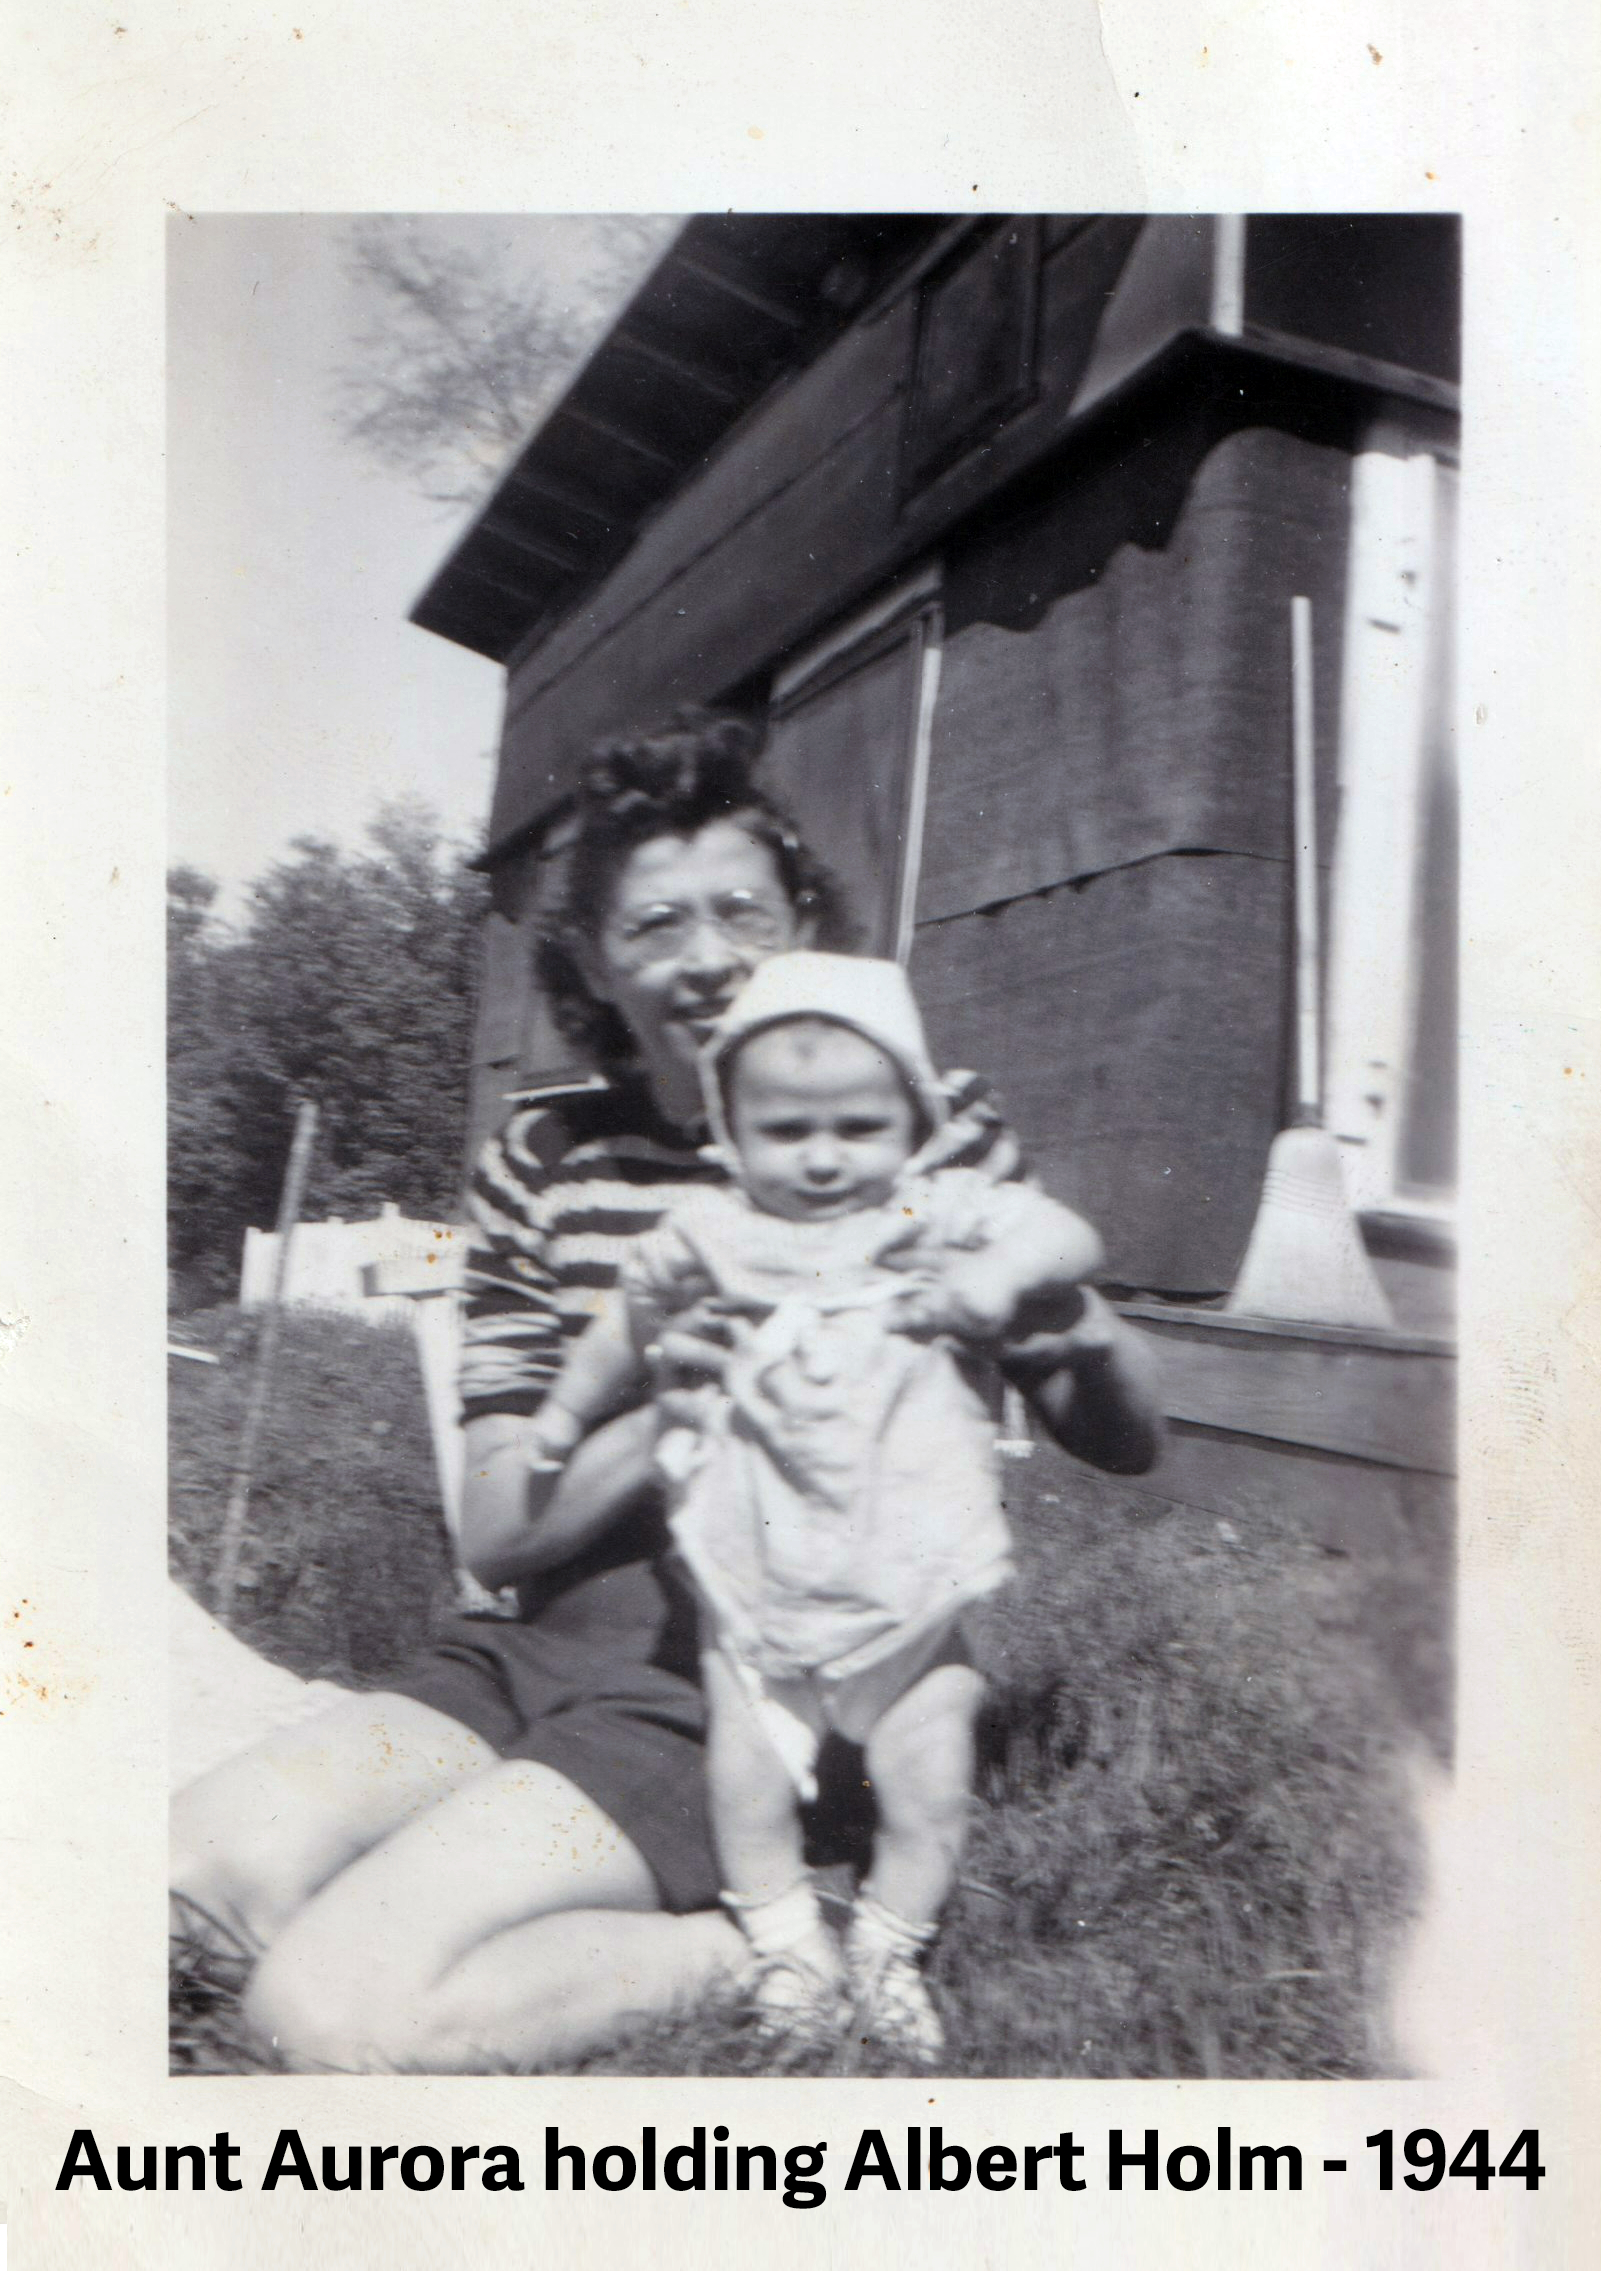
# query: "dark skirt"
(599, 1679)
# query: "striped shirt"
(561, 1194)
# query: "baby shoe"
(891, 2004)
(798, 2001)
(797, 1985)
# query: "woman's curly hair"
(671, 781)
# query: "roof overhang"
(736, 303)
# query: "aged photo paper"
(123, 129)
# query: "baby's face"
(821, 1120)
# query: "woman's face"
(690, 918)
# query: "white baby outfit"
(838, 1505)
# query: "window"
(1392, 1011)
(848, 751)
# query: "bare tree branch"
(459, 356)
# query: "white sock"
(790, 1923)
(878, 1935)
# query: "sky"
(299, 696)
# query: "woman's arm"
(518, 1523)
(1096, 1387)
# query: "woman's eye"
(653, 922)
(749, 919)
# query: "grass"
(1193, 1850)
(345, 1560)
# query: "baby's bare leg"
(920, 1757)
(756, 1824)
(755, 1817)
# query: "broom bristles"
(1306, 1262)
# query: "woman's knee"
(308, 2023)
(320, 2005)
(242, 1869)
(256, 1838)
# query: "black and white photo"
(1060, 608)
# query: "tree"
(350, 982)
(459, 354)
(203, 1166)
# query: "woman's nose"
(709, 952)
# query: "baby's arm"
(1016, 1265)
(604, 1371)
(599, 1376)
(1088, 1373)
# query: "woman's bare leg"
(256, 1837)
(513, 1924)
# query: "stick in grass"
(233, 1520)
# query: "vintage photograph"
(812, 1023)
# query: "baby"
(837, 1501)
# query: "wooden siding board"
(716, 623)
(1134, 1027)
(847, 385)
(1375, 1404)
(1104, 700)
(839, 421)
(1338, 1504)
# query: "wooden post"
(233, 1520)
(1308, 952)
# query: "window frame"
(1396, 723)
(910, 611)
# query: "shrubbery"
(349, 982)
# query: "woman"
(505, 1857)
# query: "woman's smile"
(703, 1017)
(690, 918)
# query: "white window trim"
(1395, 598)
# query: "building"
(997, 521)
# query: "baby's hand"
(692, 1351)
(553, 1435)
(974, 1300)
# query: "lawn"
(1194, 1850)
(345, 1559)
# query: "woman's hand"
(978, 1300)
(691, 1352)
(1096, 1387)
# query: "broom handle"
(1308, 1065)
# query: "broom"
(1306, 1261)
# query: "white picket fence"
(329, 1262)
